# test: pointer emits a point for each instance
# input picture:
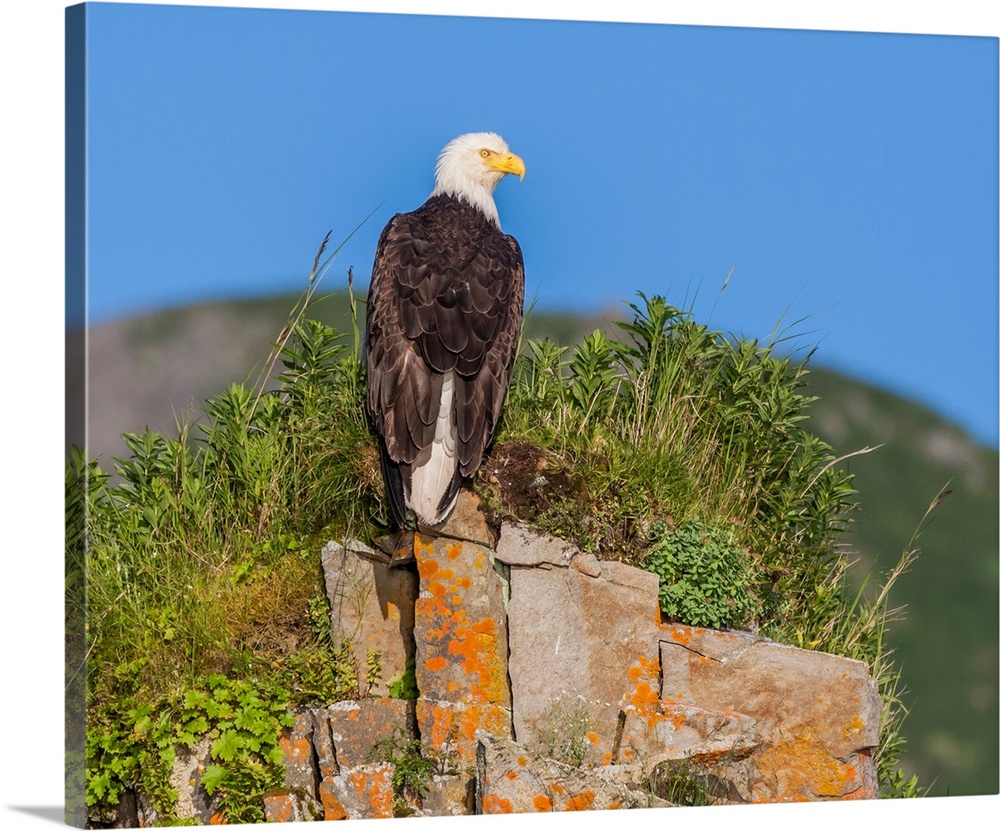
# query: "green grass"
(202, 554)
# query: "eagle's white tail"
(430, 478)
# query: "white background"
(31, 231)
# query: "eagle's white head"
(471, 166)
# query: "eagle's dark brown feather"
(446, 295)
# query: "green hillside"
(150, 370)
(947, 643)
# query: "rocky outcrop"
(547, 682)
(371, 608)
(816, 716)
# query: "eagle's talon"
(395, 550)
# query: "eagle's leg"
(400, 545)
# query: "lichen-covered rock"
(460, 628)
(356, 728)
(816, 715)
(334, 762)
(361, 793)
(326, 765)
(466, 522)
(667, 732)
(583, 641)
(371, 609)
(448, 730)
(512, 779)
(296, 744)
(520, 546)
(449, 795)
(193, 801)
(610, 708)
(291, 806)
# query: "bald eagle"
(444, 313)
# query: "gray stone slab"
(371, 607)
(520, 546)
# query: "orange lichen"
(297, 751)
(542, 803)
(651, 668)
(376, 788)
(491, 718)
(437, 663)
(855, 725)
(422, 546)
(450, 632)
(494, 804)
(435, 723)
(678, 633)
(332, 808)
(677, 717)
(279, 807)
(592, 737)
(441, 724)
(580, 802)
(804, 769)
(645, 696)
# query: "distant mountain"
(156, 369)
(947, 643)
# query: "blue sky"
(848, 178)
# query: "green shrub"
(706, 578)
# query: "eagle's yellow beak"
(506, 163)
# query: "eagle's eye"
(485, 153)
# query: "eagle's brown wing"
(446, 295)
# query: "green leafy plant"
(405, 687)
(706, 578)
(242, 722)
(412, 769)
(244, 726)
